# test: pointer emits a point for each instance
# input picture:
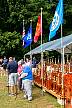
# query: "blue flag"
(28, 38)
(57, 20)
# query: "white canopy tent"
(62, 45)
(54, 45)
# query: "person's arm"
(25, 72)
(8, 68)
(23, 75)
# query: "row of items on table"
(52, 77)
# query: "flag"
(57, 20)
(28, 38)
(38, 29)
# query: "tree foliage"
(12, 13)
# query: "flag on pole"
(38, 29)
(57, 20)
(28, 38)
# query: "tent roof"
(54, 45)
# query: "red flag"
(38, 29)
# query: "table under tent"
(57, 76)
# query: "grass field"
(39, 101)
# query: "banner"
(38, 29)
(57, 20)
(28, 38)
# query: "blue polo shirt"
(28, 70)
(12, 67)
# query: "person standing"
(12, 74)
(19, 71)
(5, 62)
(34, 62)
(27, 79)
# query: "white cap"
(19, 62)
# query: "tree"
(12, 13)
(10, 44)
(4, 14)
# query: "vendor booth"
(57, 76)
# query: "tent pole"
(41, 54)
(63, 91)
(63, 72)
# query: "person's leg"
(20, 84)
(28, 89)
(12, 90)
(24, 88)
(15, 82)
(11, 84)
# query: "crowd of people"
(19, 74)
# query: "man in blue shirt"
(27, 79)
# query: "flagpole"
(23, 35)
(23, 25)
(41, 53)
(62, 62)
(61, 45)
(30, 44)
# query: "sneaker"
(11, 94)
(25, 96)
(30, 99)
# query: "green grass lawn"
(39, 101)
